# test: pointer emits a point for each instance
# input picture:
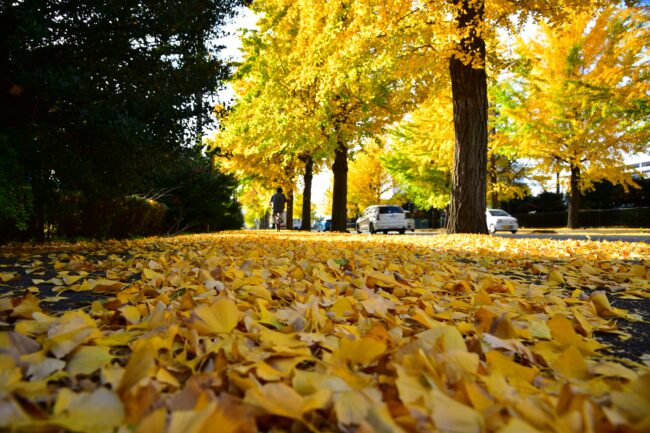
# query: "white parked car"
(500, 220)
(410, 222)
(382, 218)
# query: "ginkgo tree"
(360, 89)
(420, 156)
(583, 98)
(446, 39)
(420, 152)
(368, 179)
(269, 134)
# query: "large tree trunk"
(469, 92)
(340, 193)
(573, 221)
(306, 195)
(494, 195)
(289, 222)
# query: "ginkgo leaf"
(88, 359)
(73, 329)
(130, 313)
(351, 407)
(280, 399)
(41, 366)
(141, 365)
(439, 343)
(516, 425)
(510, 369)
(571, 364)
(555, 277)
(190, 421)
(563, 333)
(231, 416)
(71, 279)
(360, 351)
(27, 306)
(155, 422)
(97, 412)
(277, 339)
(7, 276)
(104, 285)
(445, 337)
(451, 416)
(602, 305)
(220, 317)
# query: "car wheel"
(402, 231)
(385, 232)
(358, 228)
(513, 231)
(371, 229)
(412, 230)
(492, 229)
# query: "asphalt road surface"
(560, 236)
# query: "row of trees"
(455, 102)
(104, 100)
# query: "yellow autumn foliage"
(250, 331)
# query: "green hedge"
(117, 218)
(633, 217)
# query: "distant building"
(641, 167)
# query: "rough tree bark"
(494, 195)
(573, 220)
(340, 192)
(469, 92)
(306, 195)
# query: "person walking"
(278, 200)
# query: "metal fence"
(632, 217)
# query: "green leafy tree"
(16, 200)
(102, 94)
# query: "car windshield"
(391, 209)
(498, 212)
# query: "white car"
(382, 218)
(410, 224)
(500, 220)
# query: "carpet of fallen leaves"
(259, 331)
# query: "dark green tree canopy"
(97, 96)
